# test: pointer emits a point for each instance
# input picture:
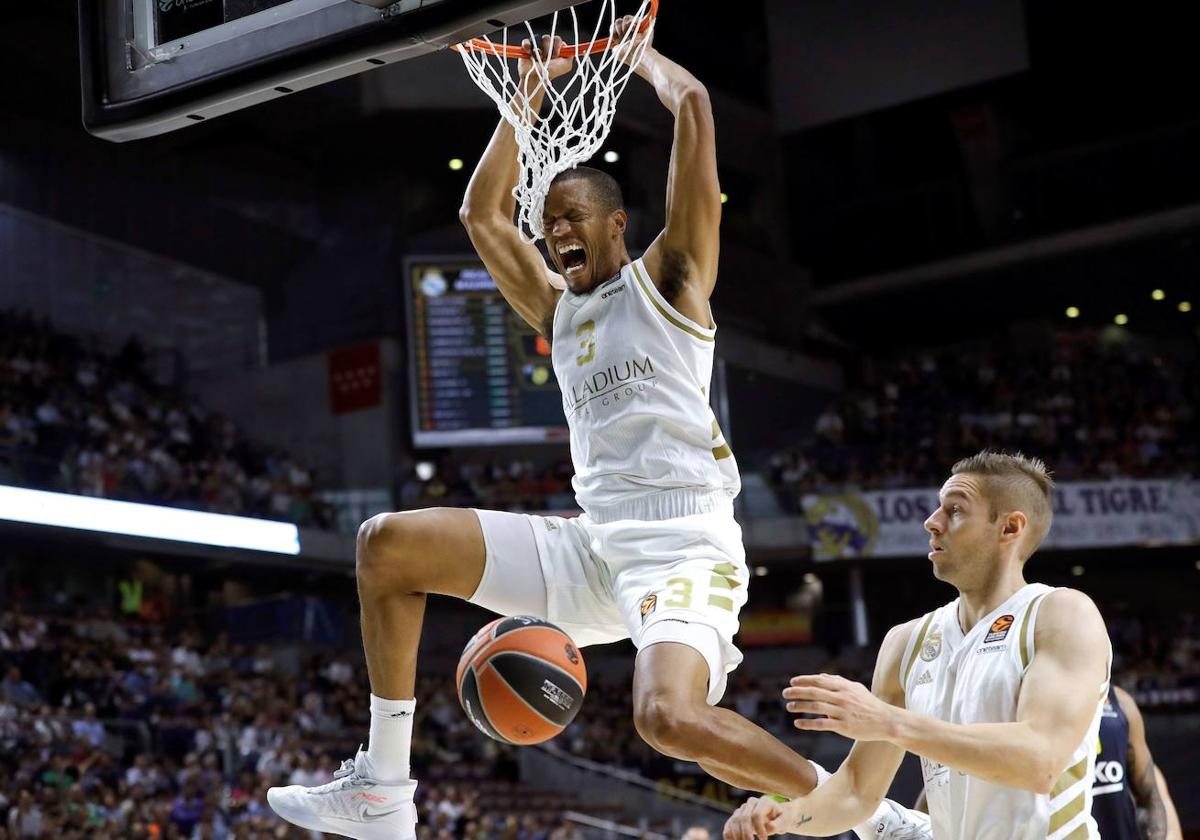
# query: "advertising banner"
(1087, 514)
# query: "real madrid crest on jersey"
(933, 646)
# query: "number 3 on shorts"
(680, 589)
(681, 593)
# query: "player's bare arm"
(1143, 780)
(1174, 829)
(488, 207)
(851, 794)
(682, 260)
(1054, 709)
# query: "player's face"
(583, 241)
(962, 535)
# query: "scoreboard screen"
(479, 375)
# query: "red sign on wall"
(355, 378)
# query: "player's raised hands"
(757, 817)
(627, 50)
(548, 54)
(849, 708)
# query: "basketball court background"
(944, 228)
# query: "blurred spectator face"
(696, 832)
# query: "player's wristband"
(822, 775)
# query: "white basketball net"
(579, 114)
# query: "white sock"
(390, 738)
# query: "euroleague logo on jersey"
(999, 629)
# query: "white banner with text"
(1087, 514)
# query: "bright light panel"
(37, 507)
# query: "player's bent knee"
(387, 544)
(434, 550)
(672, 727)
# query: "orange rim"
(568, 50)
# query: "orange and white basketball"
(521, 680)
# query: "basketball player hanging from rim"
(657, 555)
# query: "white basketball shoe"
(353, 805)
(895, 822)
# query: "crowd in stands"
(125, 728)
(76, 419)
(1156, 657)
(478, 481)
(1091, 406)
(122, 729)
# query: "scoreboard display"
(479, 375)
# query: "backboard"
(154, 66)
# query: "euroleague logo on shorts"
(999, 629)
(648, 605)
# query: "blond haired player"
(999, 692)
(657, 555)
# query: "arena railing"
(595, 828)
(549, 767)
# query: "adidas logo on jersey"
(924, 679)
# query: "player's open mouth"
(572, 256)
(934, 549)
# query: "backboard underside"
(154, 66)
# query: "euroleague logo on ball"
(572, 654)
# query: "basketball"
(521, 680)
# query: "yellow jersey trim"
(916, 651)
(671, 318)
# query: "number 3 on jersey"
(586, 333)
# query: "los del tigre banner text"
(1087, 514)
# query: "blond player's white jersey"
(975, 677)
(635, 375)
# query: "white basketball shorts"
(673, 580)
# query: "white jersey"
(634, 375)
(975, 678)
